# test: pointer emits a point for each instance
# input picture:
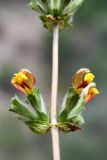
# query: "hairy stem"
(54, 129)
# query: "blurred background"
(24, 43)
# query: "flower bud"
(24, 81)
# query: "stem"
(54, 129)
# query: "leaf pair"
(70, 112)
(38, 121)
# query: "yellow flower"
(81, 79)
(92, 92)
(24, 81)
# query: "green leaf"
(73, 6)
(43, 116)
(35, 100)
(77, 120)
(33, 5)
(63, 116)
(79, 106)
(72, 98)
(38, 105)
(70, 116)
(55, 4)
(38, 127)
(65, 2)
(70, 102)
(37, 5)
(18, 107)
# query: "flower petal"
(89, 77)
(91, 94)
(78, 79)
(24, 81)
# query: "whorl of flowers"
(56, 11)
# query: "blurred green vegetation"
(83, 45)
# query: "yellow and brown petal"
(24, 81)
(93, 91)
(81, 79)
